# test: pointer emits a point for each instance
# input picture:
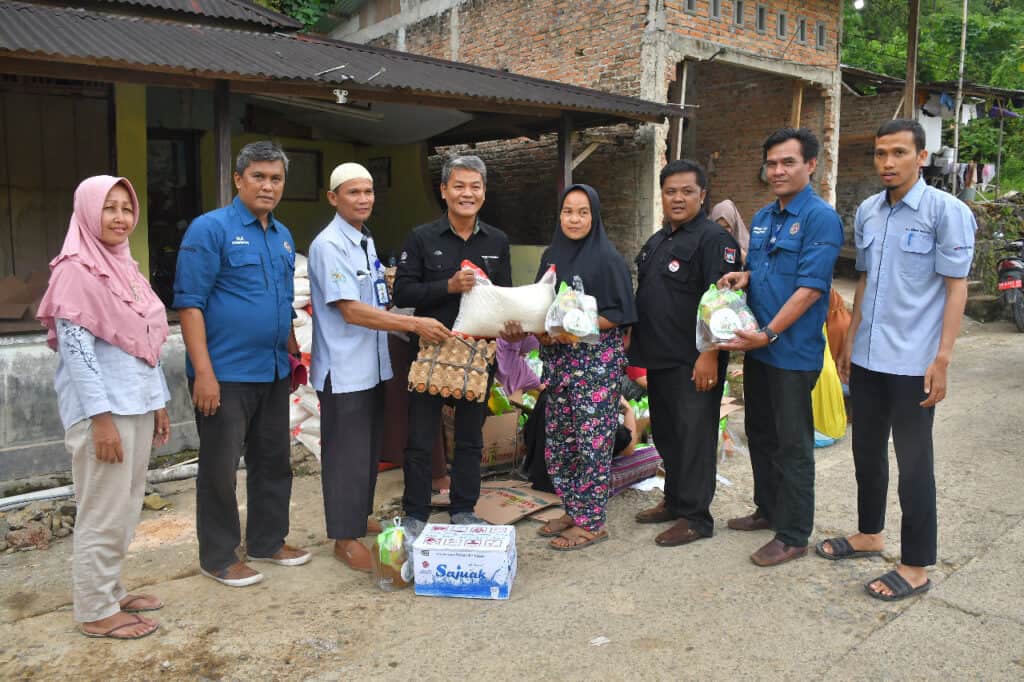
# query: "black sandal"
(842, 549)
(901, 589)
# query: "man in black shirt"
(430, 279)
(674, 268)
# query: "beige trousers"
(109, 497)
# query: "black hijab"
(595, 261)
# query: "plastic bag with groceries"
(720, 314)
(574, 313)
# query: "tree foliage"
(306, 11)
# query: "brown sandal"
(557, 527)
(111, 633)
(579, 539)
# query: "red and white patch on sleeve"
(729, 255)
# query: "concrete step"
(975, 286)
(984, 307)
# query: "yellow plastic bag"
(827, 399)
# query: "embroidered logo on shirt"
(795, 228)
(760, 229)
(729, 255)
(438, 252)
(240, 241)
(287, 247)
(337, 276)
(404, 256)
(673, 266)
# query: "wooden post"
(959, 102)
(910, 91)
(796, 110)
(565, 153)
(222, 142)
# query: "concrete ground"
(703, 611)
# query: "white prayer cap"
(346, 172)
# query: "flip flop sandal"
(842, 549)
(587, 542)
(127, 608)
(901, 589)
(555, 528)
(111, 633)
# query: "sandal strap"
(840, 546)
(895, 582)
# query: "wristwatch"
(767, 331)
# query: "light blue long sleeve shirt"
(94, 377)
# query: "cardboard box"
(505, 505)
(473, 562)
(501, 439)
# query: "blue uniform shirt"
(340, 270)
(907, 250)
(792, 248)
(242, 278)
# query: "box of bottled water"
(476, 562)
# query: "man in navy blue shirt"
(234, 288)
(794, 244)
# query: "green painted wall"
(525, 261)
(130, 142)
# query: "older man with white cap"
(350, 359)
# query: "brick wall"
(594, 44)
(700, 25)
(522, 185)
(857, 178)
(739, 108)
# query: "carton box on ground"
(475, 562)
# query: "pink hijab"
(726, 209)
(99, 287)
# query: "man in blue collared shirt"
(794, 244)
(914, 250)
(234, 288)
(351, 360)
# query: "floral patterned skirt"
(582, 416)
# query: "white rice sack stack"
(485, 308)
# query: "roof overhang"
(76, 44)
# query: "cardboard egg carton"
(458, 368)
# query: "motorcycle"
(1011, 279)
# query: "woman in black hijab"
(582, 378)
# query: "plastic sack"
(309, 435)
(573, 312)
(302, 318)
(484, 309)
(302, 287)
(827, 399)
(498, 402)
(301, 266)
(391, 568)
(721, 312)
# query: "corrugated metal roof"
(235, 10)
(75, 35)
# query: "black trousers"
(780, 431)
(252, 420)
(884, 403)
(685, 426)
(351, 433)
(424, 421)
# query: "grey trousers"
(351, 434)
(109, 496)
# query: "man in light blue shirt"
(914, 249)
(350, 359)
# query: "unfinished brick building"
(741, 67)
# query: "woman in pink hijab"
(728, 216)
(108, 327)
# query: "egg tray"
(458, 368)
